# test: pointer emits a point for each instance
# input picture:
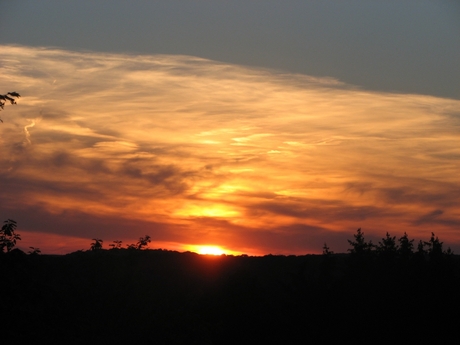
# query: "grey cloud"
(169, 177)
(443, 196)
(88, 165)
(360, 187)
(85, 225)
(332, 211)
(430, 217)
(437, 217)
(17, 192)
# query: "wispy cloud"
(254, 160)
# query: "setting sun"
(207, 249)
(210, 250)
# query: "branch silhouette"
(6, 98)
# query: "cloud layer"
(192, 151)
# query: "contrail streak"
(26, 131)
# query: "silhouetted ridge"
(166, 297)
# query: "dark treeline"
(393, 291)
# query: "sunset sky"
(256, 126)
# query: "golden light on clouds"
(193, 151)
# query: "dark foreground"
(163, 297)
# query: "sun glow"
(211, 250)
(207, 249)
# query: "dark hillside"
(164, 297)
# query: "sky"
(259, 127)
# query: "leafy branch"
(8, 97)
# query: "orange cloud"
(192, 151)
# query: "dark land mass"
(127, 296)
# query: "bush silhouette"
(143, 242)
(8, 237)
(116, 244)
(97, 244)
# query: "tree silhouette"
(8, 237)
(421, 248)
(116, 244)
(327, 264)
(326, 250)
(8, 97)
(406, 247)
(448, 252)
(97, 244)
(361, 255)
(143, 242)
(34, 251)
(388, 244)
(435, 252)
(420, 254)
(387, 249)
(359, 246)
